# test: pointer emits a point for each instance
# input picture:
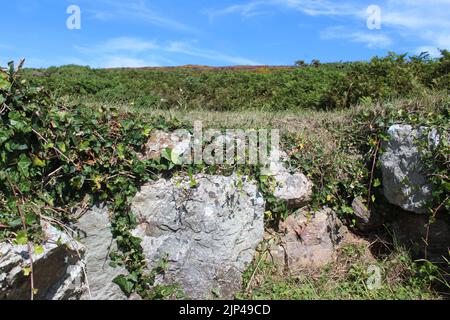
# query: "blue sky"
(118, 33)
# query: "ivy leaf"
(38, 249)
(21, 238)
(23, 165)
(4, 83)
(125, 285)
(38, 162)
(26, 271)
(167, 154)
(376, 183)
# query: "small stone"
(365, 219)
(310, 240)
(295, 189)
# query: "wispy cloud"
(136, 52)
(120, 44)
(309, 7)
(370, 39)
(426, 21)
(134, 10)
(188, 49)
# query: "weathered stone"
(295, 189)
(365, 219)
(404, 183)
(179, 141)
(411, 230)
(94, 229)
(209, 232)
(58, 270)
(310, 240)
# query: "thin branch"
(54, 148)
(429, 225)
(30, 252)
(372, 172)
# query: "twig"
(54, 148)
(254, 271)
(30, 252)
(429, 225)
(374, 161)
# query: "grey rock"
(310, 239)
(365, 218)
(295, 189)
(403, 181)
(58, 271)
(94, 229)
(209, 233)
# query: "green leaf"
(38, 162)
(26, 271)
(167, 154)
(30, 218)
(38, 249)
(23, 165)
(21, 238)
(125, 285)
(4, 83)
(376, 183)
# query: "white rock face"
(403, 181)
(58, 271)
(95, 234)
(209, 232)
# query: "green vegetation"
(75, 145)
(314, 87)
(349, 277)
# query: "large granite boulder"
(404, 183)
(58, 270)
(94, 232)
(208, 232)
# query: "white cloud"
(134, 10)
(309, 7)
(135, 52)
(426, 21)
(123, 62)
(120, 44)
(189, 49)
(371, 39)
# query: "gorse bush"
(219, 90)
(388, 77)
(315, 86)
